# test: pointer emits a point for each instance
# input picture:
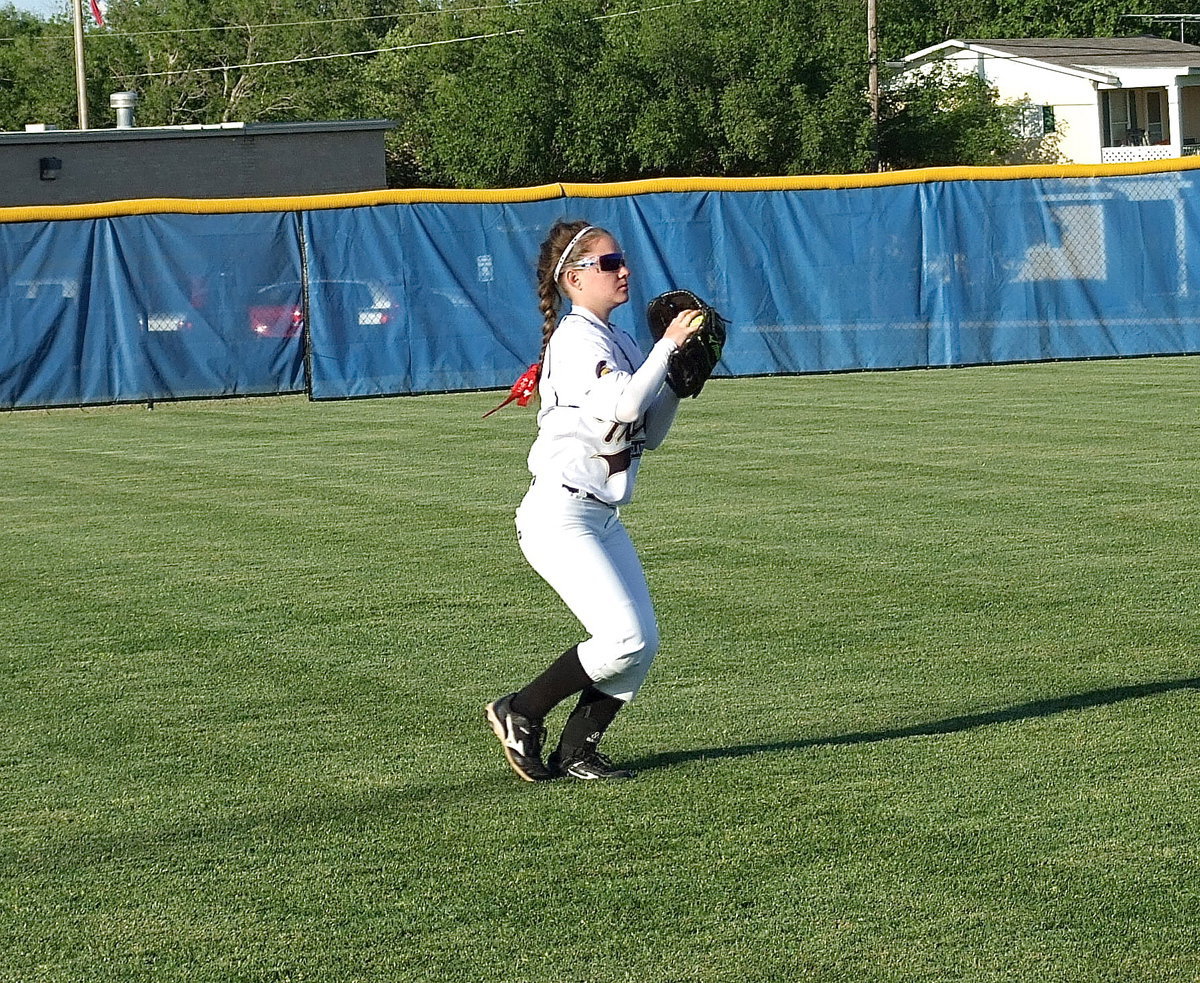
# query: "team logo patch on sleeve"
(602, 368)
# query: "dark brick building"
(229, 160)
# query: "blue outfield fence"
(392, 293)
(143, 308)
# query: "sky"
(43, 8)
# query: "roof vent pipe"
(124, 103)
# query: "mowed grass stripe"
(925, 708)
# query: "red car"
(278, 310)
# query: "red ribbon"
(522, 390)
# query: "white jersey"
(585, 391)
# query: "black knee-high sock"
(588, 721)
(562, 677)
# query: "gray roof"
(193, 131)
(1085, 53)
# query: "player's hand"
(683, 326)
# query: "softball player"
(602, 404)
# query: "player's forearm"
(659, 418)
(644, 385)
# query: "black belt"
(588, 495)
(575, 491)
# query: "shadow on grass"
(951, 725)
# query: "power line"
(647, 10)
(292, 23)
(403, 47)
(344, 54)
(1169, 18)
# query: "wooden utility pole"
(873, 57)
(873, 75)
(80, 77)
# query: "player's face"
(602, 282)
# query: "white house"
(1107, 99)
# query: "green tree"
(37, 71)
(909, 25)
(738, 87)
(493, 111)
(945, 119)
(402, 82)
(237, 60)
(187, 58)
(489, 94)
(588, 92)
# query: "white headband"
(566, 252)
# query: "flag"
(97, 12)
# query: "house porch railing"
(1124, 155)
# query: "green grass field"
(926, 710)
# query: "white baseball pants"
(581, 549)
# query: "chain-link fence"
(434, 296)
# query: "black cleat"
(521, 738)
(586, 765)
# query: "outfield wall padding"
(389, 293)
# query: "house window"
(1036, 121)
(1154, 119)
(1121, 119)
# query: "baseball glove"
(692, 363)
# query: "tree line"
(487, 93)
